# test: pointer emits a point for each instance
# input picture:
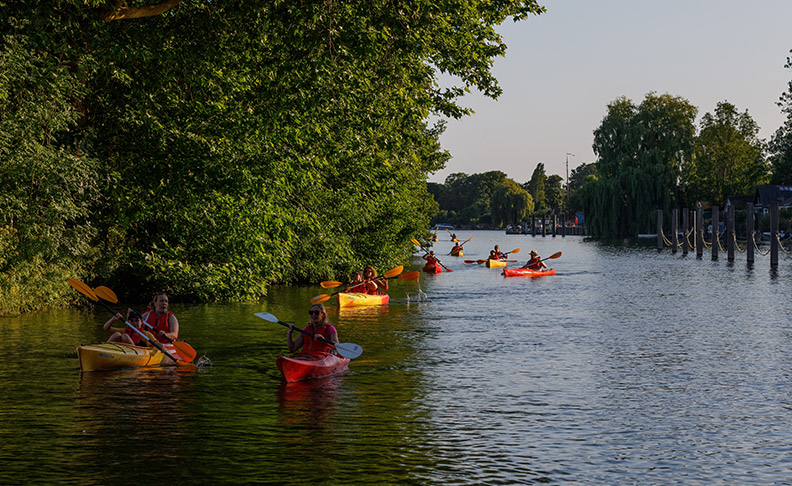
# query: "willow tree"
(640, 150)
(240, 143)
(780, 147)
(510, 204)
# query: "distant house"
(766, 194)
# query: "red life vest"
(311, 345)
(160, 323)
(535, 263)
(137, 339)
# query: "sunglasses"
(314, 312)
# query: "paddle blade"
(410, 275)
(415, 242)
(267, 316)
(349, 350)
(553, 256)
(107, 294)
(83, 289)
(447, 269)
(393, 272)
(320, 298)
(329, 284)
(516, 250)
(481, 260)
(184, 350)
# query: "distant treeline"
(208, 149)
(649, 156)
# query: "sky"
(563, 68)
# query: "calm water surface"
(627, 367)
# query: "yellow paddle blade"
(393, 272)
(107, 294)
(415, 242)
(329, 284)
(410, 275)
(320, 298)
(83, 289)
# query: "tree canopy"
(219, 146)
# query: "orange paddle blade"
(184, 350)
(394, 271)
(83, 289)
(516, 250)
(329, 284)
(320, 298)
(410, 275)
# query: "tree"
(728, 157)
(640, 150)
(780, 147)
(510, 204)
(536, 186)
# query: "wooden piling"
(563, 226)
(685, 225)
(774, 234)
(714, 232)
(659, 229)
(533, 225)
(555, 225)
(674, 230)
(699, 231)
(749, 232)
(730, 232)
(544, 225)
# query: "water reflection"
(309, 402)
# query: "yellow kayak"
(355, 298)
(496, 263)
(456, 253)
(109, 356)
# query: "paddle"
(325, 297)
(347, 350)
(329, 284)
(88, 292)
(551, 257)
(482, 260)
(416, 242)
(184, 350)
(461, 245)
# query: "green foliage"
(728, 158)
(780, 147)
(217, 148)
(555, 196)
(640, 152)
(536, 186)
(510, 204)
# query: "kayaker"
(163, 322)
(498, 254)
(373, 284)
(319, 326)
(535, 263)
(457, 248)
(125, 334)
(431, 259)
(356, 283)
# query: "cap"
(533, 252)
(135, 315)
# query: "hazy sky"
(562, 69)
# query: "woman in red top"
(319, 326)
(163, 322)
(373, 284)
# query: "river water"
(627, 367)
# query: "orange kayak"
(527, 272)
(303, 366)
(432, 268)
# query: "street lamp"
(567, 170)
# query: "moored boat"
(496, 263)
(109, 356)
(432, 268)
(527, 272)
(303, 366)
(357, 298)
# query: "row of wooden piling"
(698, 229)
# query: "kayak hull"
(110, 356)
(346, 299)
(496, 263)
(527, 272)
(432, 268)
(305, 366)
(457, 253)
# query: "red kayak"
(432, 268)
(527, 272)
(302, 366)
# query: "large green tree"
(536, 186)
(728, 158)
(239, 143)
(510, 204)
(640, 152)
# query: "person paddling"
(356, 283)
(318, 326)
(431, 259)
(535, 263)
(165, 324)
(498, 254)
(373, 284)
(126, 335)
